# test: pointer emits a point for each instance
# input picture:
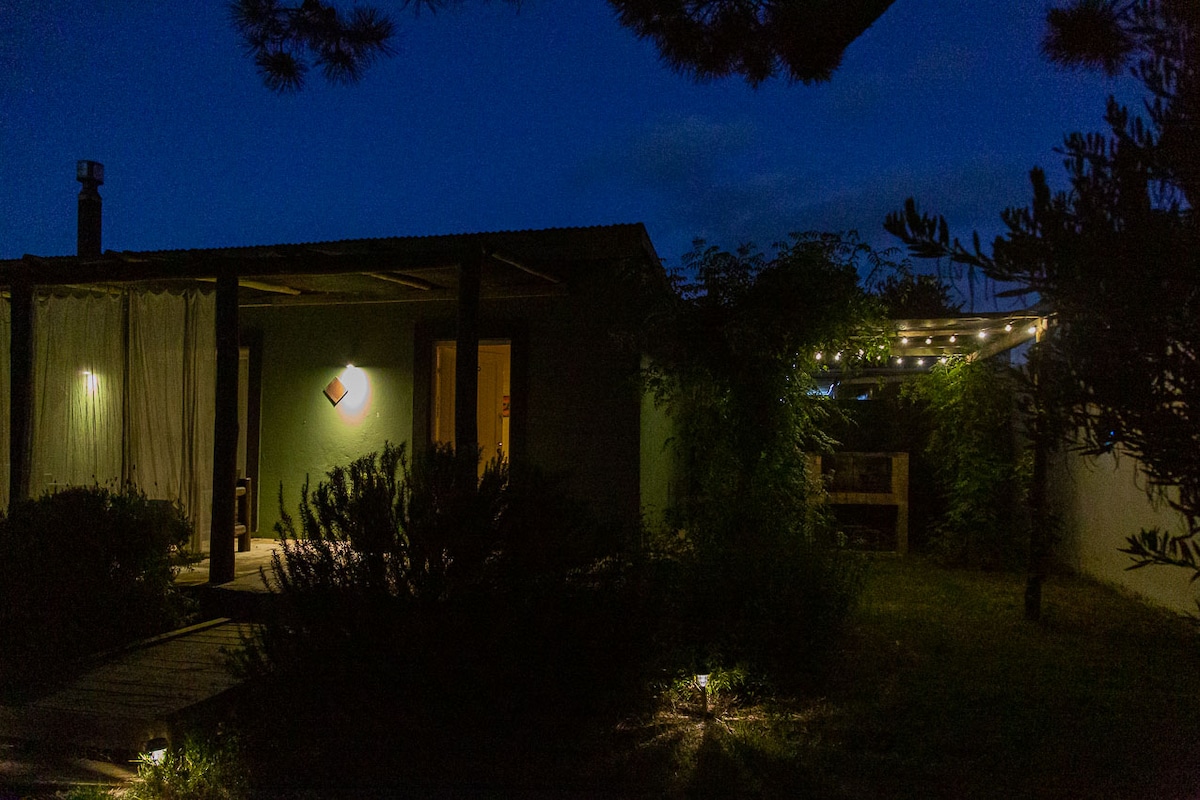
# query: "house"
(185, 370)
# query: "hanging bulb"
(953, 338)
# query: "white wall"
(1102, 501)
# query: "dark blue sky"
(490, 118)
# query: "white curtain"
(79, 365)
(172, 375)
(123, 390)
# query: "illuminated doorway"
(493, 407)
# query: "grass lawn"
(940, 690)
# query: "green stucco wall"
(576, 398)
(658, 460)
(301, 433)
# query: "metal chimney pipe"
(91, 175)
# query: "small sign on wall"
(505, 406)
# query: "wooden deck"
(135, 695)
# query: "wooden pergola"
(465, 269)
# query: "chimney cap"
(92, 171)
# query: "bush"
(980, 468)
(200, 769)
(83, 570)
(419, 613)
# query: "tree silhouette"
(1117, 257)
(802, 40)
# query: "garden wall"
(1101, 501)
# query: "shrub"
(200, 769)
(980, 468)
(83, 570)
(413, 609)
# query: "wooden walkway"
(136, 695)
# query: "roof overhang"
(400, 269)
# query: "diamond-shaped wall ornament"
(335, 391)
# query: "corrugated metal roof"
(384, 269)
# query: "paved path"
(136, 695)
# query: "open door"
(493, 414)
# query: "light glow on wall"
(357, 402)
(91, 383)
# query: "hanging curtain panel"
(78, 358)
(172, 371)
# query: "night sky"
(492, 118)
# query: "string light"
(920, 362)
(953, 338)
(818, 356)
(904, 340)
(1033, 330)
(1008, 328)
(928, 340)
(983, 334)
(837, 356)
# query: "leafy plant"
(413, 606)
(979, 465)
(86, 569)
(736, 362)
(199, 769)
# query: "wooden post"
(1039, 533)
(466, 373)
(20, 376)
(225, 433)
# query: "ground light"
(702, 682)
(156, 750)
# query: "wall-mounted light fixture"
(91, 382)
(351, 392)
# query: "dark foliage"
(1117, 258)
(906, 295)
(802, 40)
(285, 38)
(980, 468)
(760, 579)
(421, 621)
(84, 570)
